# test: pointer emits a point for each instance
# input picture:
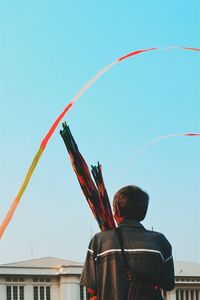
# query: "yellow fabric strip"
(29, 173)
(16, 201)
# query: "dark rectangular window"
(21, 293)
(81, 293)
(41, 292)
(48, 293)
(197, 295)
(187, 295)
(15, 293)
(181, 294)
(35, 293)
(192, 295)
(8, 293)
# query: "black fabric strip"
(120, 238)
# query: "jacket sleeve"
(167, 278)
(88, 276)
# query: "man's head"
(131, 203)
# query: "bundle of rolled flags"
(94, 190)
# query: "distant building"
(187, 282)
(47, 278)
(52, 278)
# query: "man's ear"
(116, 211)
(117, 215)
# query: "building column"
(28, 291)
(3, 291)
(171, 295)
(69, 287)
(54, 292)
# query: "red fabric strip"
(189, 48)
(53, 127)
(135, 53)
(191, 134)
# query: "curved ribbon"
(46, 139)
(145, 146)
(163, 137)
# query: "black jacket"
(149, 254)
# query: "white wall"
(69, 288)
(28, 291)
(171, 295)
(2, 291)
(55, 292)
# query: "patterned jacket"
(149, 254)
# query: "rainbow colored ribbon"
(46, 139)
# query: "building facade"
(48, 278)
(52, 278)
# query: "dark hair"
(132, 202)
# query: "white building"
(47, 278)
(52, 278)
(187, 281)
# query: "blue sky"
(49, 50)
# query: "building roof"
(47, 266)
(45, 262)
(185, 269)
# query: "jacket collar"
(131, 223)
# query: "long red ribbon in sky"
(46, 139)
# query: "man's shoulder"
(104, 235)
(103, 241)
(159, 238)
(155, 233)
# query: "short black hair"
(132, 202)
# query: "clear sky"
(49, 50)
